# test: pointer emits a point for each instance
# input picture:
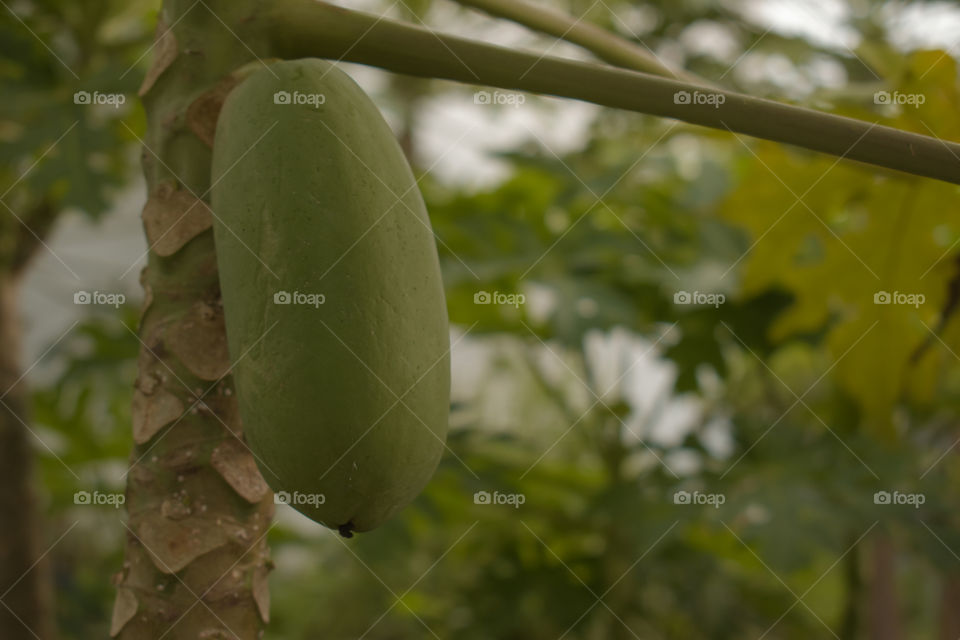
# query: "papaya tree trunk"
(25, 592)
(196, 557)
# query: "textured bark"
(196, 557)
(24, 576)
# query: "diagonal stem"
(306, 28)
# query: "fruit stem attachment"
(307, 28)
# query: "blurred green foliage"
(82, 414)
(68, 77)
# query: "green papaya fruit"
(335, 313)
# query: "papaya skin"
(344, 399)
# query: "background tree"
(59, 153)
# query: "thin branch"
(604, 44)
(306, 28)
